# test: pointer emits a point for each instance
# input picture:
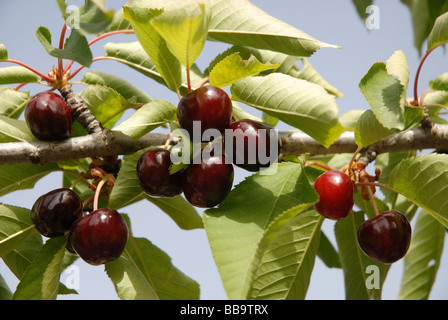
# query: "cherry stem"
(417, 76)
(40, 74)
(204, 81)
(72, 75)
(61, 46)
(188, 80)
(98, 192)
(372, 199)
(318, 164)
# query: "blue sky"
(331, 21)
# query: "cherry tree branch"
(105, 142)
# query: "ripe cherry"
(48, 116)
(207, 184)
(99, 236)
(249, 143)
(385, 238)
(210, 106)
(335, 190)
(153, 173)
(54, 212)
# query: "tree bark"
(109, 143)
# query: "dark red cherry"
(207, 184)
(249, 144)
(54, 213)
(385, 238)
(48, 116)
(100, 236)
(210, 106)
(153, 173)
(335, 190)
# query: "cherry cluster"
(97, 237)
(208, 179)
(385, 238)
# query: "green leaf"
(349, 119)
(397, 65)
(424, 14)
(422, 261)
(309, 73)
(133, 55)
(286, 263)
(242, 23)
(123, 87)
(146, 272)
(12, 102)
(147, 118)
(15, 226)
(127, 190)
(233, 68)
(361, 6)
(384, 94)
(17, 74)
(236, 227)
(439, 33)
(93, 17)
(356, 264)
(75, 48)
(421, 180)
(299, 103)
(369, 130)
(184, 27)
(5, 292)
(22, 176)
(328, 253)
(41, 279)
(155, 46)
(13, 130)
(106, 104)
(3, 52)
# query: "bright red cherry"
(48, 116)
(99, 236)
(249, 142)
(153, 173)
(207, 184)
(385, 238)
(209, 105)
(54, 212)
(335, 190)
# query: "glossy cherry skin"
(54, 212)
(100, 236)
(48, 116)
(335, 190)
(207, 184)
(249, 142)
(385, 238)
(153, 173)
(209, 105)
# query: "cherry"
(209, 105)
(385, 238)
(153, 173)
(99, 236)
(207, 184)
(249, 142)
(54, 212)
(335, 190)
(48, 116)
